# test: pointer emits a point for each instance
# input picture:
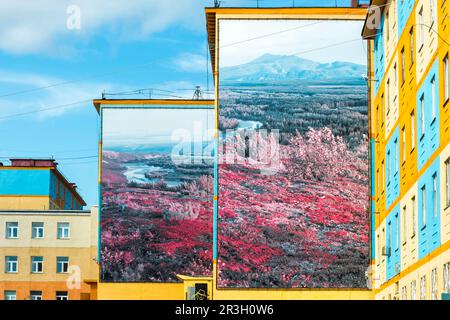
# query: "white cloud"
(190, 62)
(44, 99)
(40, 26)
(246, 40)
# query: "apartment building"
(410, 134)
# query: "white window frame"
(405, 224)
(432, 14)
(12, 230)
(421, 29)
(423, 287)
(446, 277)
(396, 159)
(10, 295)
(434, 284)
(37, 232)
(404, 293)
(35, 264)
(423, 194)
(62, 266)
(65, 230)
(413, 290)
(433, 98)
(422, 115)
(403, 144)
(11, 266)
(60, 296)
(435, 195)
(35, 295)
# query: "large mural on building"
(156, 193)
(293, 171)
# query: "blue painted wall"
(393, 164)
(372, 163)
(404, 9)
(379, 57)
(372, 232)
(24, 182)
(428, 141)
(430, 233)
(393, 241)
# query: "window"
(447, 277)
(382, 175)
(397, 236)
(387, 25)
(411, 46)
(37, 230)
(382, 109)
(12, 230)
(35, 295)
(388, 101)
(435, 199)
(421, 29)
(403, 144)
(395, 76)
(37, 264)
(422, 115)
(413, 290)
(423, 288)
(432, 14)
(405, 225)
(396, 159)
(389, 234)
(413, 216)
(424, 205)
(62, 264)
(413, 130)
(404, 294)
(10, 295)
(403, 65)
(447, 182)
(434, 293)
(433, 98)
(63, 230)
(446, 77)
(11, 264)
(383, 237)
(62, 295)
(377, 118)
(378, 249)
(388, 167)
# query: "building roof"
(137, 102)
(50, 164)
(372, 23)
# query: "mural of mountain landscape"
(156, 209)
(305, 225)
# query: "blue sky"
(122, 45)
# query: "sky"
(156, 126)
(58, 55)
(305, 39)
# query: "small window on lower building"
(10, 295)
(11, 264)
(447, 277)
(35, 295)
(404, 293)
(413, 290)
(62, 295)
(62, 264)
(423, 288)
(434, 284)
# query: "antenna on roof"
(216, 3)
(198, 94)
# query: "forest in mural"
(297, 218)
(156, 194)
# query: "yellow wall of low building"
(140, 291)
(24, 203)
(293, 294)
(48, 289)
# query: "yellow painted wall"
(24, 203)
(409, 251)
(81, 248)
(445, 210)
(421, 268)
(140, 291)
